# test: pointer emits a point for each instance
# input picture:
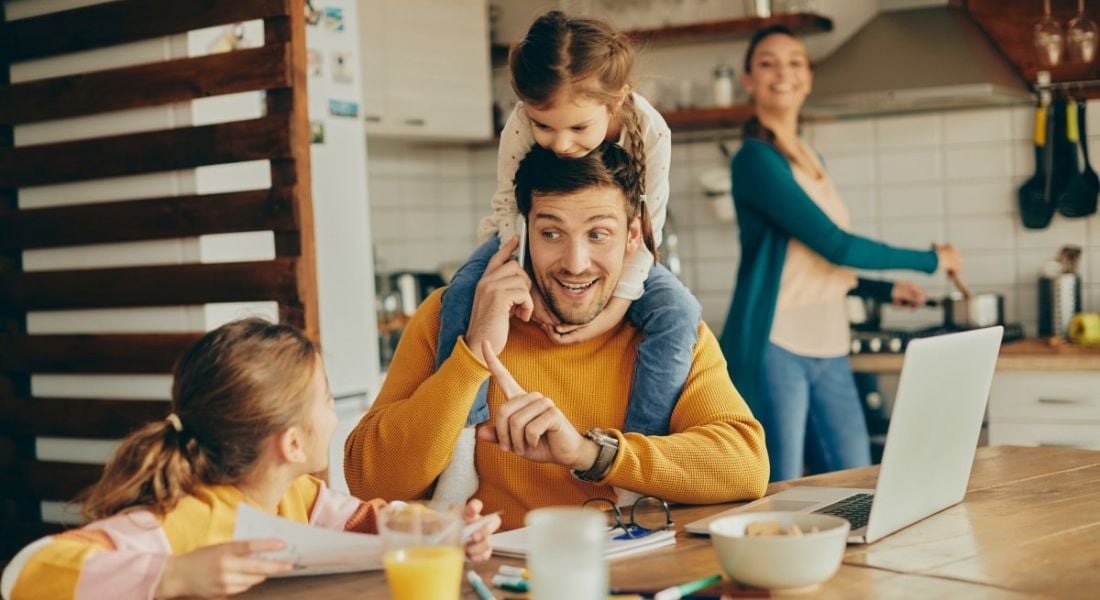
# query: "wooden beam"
(161, 285)
(148, 219)
(113, 23)
(78, 417)
(93, 353)
(153, 84)
(294, 102)
(51, 481)
(254, 139)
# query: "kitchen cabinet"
(425, 69)
(1045, 409)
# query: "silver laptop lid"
(934, 427)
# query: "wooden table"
(1029, 526)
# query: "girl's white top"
(517, 139)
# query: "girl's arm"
(762, 179)
(516, 140)
(120, 557)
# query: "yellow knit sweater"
(715, 452)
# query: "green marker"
(679, 591)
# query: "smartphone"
(521, 231)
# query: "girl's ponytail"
(154, 467)
(235, 388)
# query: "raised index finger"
(500, 373)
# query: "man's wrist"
(589, 452)
(608, 451)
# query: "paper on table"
(514, 543)
(313, 550)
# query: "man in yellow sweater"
(561, 443)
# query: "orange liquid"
(429, 572)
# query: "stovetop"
(894, 341)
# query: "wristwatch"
(609, 449)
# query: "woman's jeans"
(667, 314)
(812, 414)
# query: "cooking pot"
(979, 310)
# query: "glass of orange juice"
(423, 553)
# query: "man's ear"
(634, 238)
(290, 445)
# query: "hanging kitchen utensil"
(1080, 197)
(1064, 165)
(1033, 198)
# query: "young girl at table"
(252, 417)
(572, 76)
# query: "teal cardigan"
(772, 208)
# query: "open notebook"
(514, 543)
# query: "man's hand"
(908, 294)
(531, 426)
(504, 290)
(609, 318)
(220, 570)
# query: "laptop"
(930, 445)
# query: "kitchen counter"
(1031, 354)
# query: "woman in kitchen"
(786, 337)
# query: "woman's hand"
(907, 294)
(608, 319)
(480, 546)
(949, 258)
(221, 569)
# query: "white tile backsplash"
(978, 160)
(902, 201)
(987, 125)
(908, 131)
(990, 197)
(843, 136)
(910, 166)
(991, 232)
(851, 169)
(913, 232)
(1060, 232)
(984, 268)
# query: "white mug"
(566, 554)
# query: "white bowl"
(780, 562)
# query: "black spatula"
(1034, 199)
(1079, 199)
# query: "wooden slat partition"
(167, 285)
(93, 353)
(160, 83)
(77, 417)
(152, 219)
(135, 153)
(123, 22)
(49, 480)
(281, 137)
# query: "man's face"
(579, 242)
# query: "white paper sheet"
(313, 550)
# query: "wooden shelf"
(727, 29)
(707, 118)
(801, 23)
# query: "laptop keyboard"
(856, 508)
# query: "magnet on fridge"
(341, 67)
(316, 63)
(333, 18)
(316, 132)
(343, 108)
